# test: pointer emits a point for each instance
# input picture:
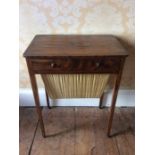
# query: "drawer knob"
(52, 64)
(97, 64)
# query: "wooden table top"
(74, 45)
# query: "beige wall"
(78, 17)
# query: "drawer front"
(77, 65)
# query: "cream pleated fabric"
(75, 85)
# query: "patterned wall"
(77, 17)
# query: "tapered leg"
(114, 97)
(47, 100)
(101, 99)
(38, 108)
(36, 98)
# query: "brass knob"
(97, 64)
(52, 64)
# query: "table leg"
(47, 100)
(101, 99)
(36, 98)
(37, 102)
(114, 97)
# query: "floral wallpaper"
(77, 17)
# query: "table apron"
(90, 65)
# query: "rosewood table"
(67, 54)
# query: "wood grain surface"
(74, 45)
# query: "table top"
(74, 45)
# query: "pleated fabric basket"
(75, 85)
